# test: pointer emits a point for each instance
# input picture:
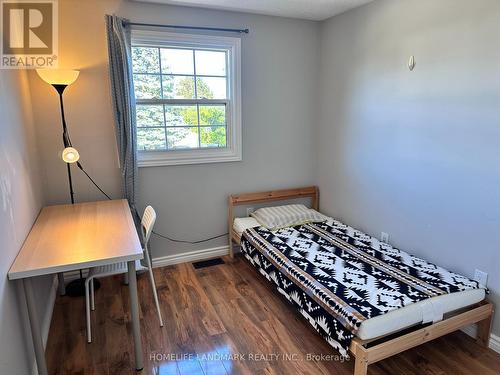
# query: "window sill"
(186, 157)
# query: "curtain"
(123, 98)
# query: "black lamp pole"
(66, 141)
(75, 288)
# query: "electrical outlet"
(481, 277)
(250, 210)
(384, 237)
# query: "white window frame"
(232, 151)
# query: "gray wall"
(279, 65)
(415, 154)
(21, 196)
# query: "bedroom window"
(187, 90)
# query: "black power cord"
(92, 180)
(156, 233)
(191, 242)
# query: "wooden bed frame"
(371, 351)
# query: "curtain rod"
(240, 31)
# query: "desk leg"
(36, 334)
(62, 287)
(134, 307)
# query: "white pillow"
(278, 217)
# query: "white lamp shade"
(70, 155)
(58, 76)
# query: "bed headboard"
(276, 195)
(267, 196)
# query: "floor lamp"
(60, 79)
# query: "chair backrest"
(148, 222)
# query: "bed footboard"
(481, 313)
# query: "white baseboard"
(47, 318)
(168, 260)
(494, 343)
(191, 256)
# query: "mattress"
(430, 310)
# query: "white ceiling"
(316, 10)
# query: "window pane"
(147, 86)
(213, 136)
(176, 61)
(211, 88)
(149, 115)
(181, 115)
(178, 87)
(212, 115)
(145, 60)
(182, 138)
(211, 63)
(151, 138)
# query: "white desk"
(72, 237)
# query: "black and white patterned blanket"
(338, 277)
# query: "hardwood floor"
(224, 319)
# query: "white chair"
(147, 223)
